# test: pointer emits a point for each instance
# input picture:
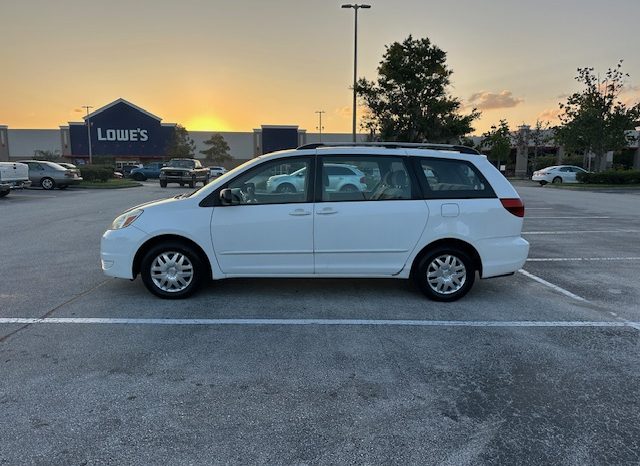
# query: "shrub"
(610, 177)
(96, 173)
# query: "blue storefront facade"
(122, 130)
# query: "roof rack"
(395, 145)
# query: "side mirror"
(227, 197)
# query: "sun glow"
(207, 123)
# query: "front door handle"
(299, 212)
(327, 211)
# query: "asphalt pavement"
(539, 368)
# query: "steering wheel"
(248, 193)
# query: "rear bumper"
(502, 256)
(14, 184)
(69, 181)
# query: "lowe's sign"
(121, 129)
(123, 134)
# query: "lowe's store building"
(125, 132)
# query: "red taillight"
(514, 206)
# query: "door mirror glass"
(227, 197)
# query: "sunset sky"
(234, 65)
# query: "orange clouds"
(485, 100)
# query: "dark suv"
(184, 171)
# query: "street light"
(320, 127)
(87, 107)
(355, 7)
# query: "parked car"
(184, 171)
(150, 170)
(12, 176)
(71, 167)
(50, 175)
(215, 172)
(339, 177)
(126, 166)
(557, 174)
(467, 220)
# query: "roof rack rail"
(395, 145)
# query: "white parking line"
(299, 322)
(562, 217)
(571, 259)
(573, 232)
(552, 286)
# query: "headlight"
(125, 219)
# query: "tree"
(410, 99)
(181, 145)
(50, 155)
(593, 119)
(497, 142)
(219, 150)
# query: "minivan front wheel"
(445, 274)
(172, 270)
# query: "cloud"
(551, 115)
(485, 100)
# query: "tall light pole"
(87, 107)
(320, 127)
(355, 7)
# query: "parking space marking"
(552, 286)
(301, 322)
(564, 217)
(571, 259)
(573, 232)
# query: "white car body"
(341, 177)
(214, 172)
(557, 174)
(376, 238)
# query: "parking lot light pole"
(87, 107)
(320, 127)
(355, 7)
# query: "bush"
(96, 173)
(610, 177)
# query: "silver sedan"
(50, 175)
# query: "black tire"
(47, 183)
(286, 188)
(192, 183)
(424, 268)
(171, 248)
(205, 181)
(139, 177)
(163, 183)
(542, 183)
(557, 180)
(4, 193)
(349, 188)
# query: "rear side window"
(452, 179)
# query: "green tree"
(218, 151)
(593, 119)
(497, 142)
(410, 99)
(181, 145)
(50, 155)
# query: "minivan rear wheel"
(172, 270)
(445, 274)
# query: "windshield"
(181, 163)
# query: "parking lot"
(538, 368)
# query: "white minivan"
(434, 213)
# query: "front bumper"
(118, 249)
(68, 181)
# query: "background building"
(123, 131)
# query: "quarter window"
(450, 179)
(364, 179)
